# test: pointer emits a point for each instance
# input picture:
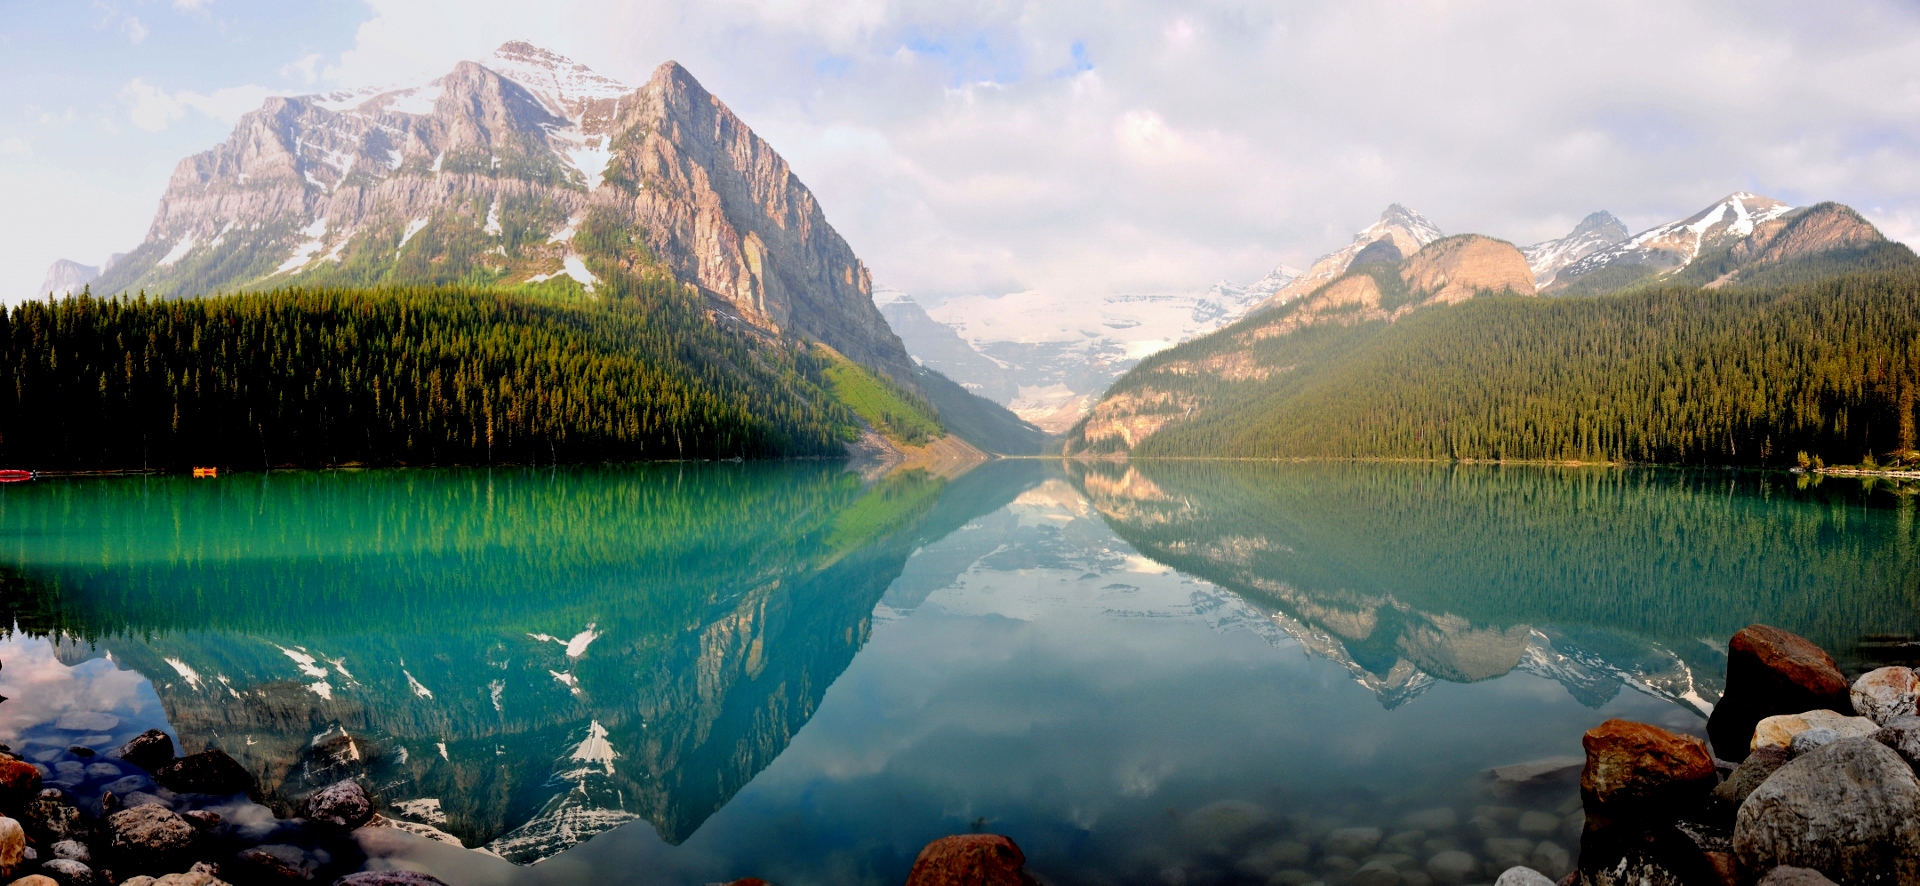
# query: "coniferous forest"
(1754, 375)
(429, 375)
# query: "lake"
(1179, 673)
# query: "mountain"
(1046, 356)
(980, 421)
(1669, 248)
(1380, 288)
(1408, 231)
(1595, 232)
(939, 347)
(68, 277)
(1784, 344)
(523, 169)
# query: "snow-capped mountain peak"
(1406, 229)
(1399, 219)
(1668, 248)
(565, 86)
(1595, 232)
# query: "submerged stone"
(971, 860)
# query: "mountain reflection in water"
(527, 658)
(520, 658)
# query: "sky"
(969, 147)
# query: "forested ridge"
(424, 375)
(1743, 375)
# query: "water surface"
(1168, 672)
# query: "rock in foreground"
(971, 860)
(1638, 770)
(1780, 730)
(1769, 672)
(1885, 694)
(1850, 810)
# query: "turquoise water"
(1172, 673)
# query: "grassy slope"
(977, 420)
(890, 409)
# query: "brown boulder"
(1772, 672)
(19, 783)
(1636, 770)
(971, 860)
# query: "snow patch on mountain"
(560, 83)
(1594, 233)
(418, 101)
(304, 253)
(179, 250)
(1673, 246)
(1408, 230)
(590, 159)
(413, 227)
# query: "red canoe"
(15, 476)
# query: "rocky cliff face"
(1819, 230)
(1455, 269)
(1408, 231)
(1445, 271)
(492, 173)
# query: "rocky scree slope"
(1173, 386)
(523, 169)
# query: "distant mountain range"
(1359, 364)
(1048, 358)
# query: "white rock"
(1522, 876)
(1778, 731)
(13, 845)
(1884, 694)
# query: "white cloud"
(152, 108)
(989, 146)
(305, 68)
(15, 146)
(192, 5)
(135, 31)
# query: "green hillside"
(1742, 375)
(890, 409)
(977, 420)
(402, 376)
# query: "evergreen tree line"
(399, 376)
(1752, 375)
